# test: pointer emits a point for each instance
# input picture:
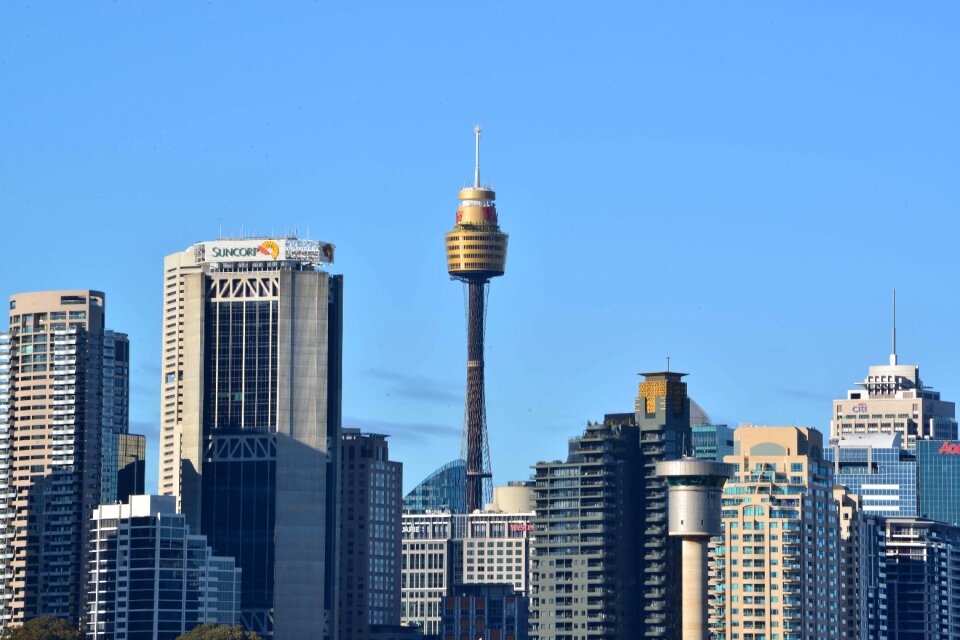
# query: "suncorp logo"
(267, 248)
(949, 448)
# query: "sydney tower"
(476, 252)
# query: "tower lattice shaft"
(476, 449)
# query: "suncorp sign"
(310, 252)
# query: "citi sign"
(948, 448)
(860, 408)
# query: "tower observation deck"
(476, 252)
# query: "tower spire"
(893, 353)
(476, 166)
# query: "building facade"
(879, 470)
(893, 399)
(588, 559)
(922, 570)
(777, 568)
(445, 549)
(711, 441)
(150, 578)
(370, 548)
(484, 612)
(443, 490)
(938, 473)
(663, 414)
(65, 399)
(250, 420)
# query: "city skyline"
(722, 219)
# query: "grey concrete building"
(371, 488)
(587, 546)
(250, 411)
(150, 578)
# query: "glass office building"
(443, 490)
(711, 441)
(879, 470)
(938, 464)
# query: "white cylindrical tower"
(693, 506)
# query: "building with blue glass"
(879, 469)
(938, 473)
(442, 490)
(711, 441)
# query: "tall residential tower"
(476, 252)
(251, 420)
(63, 407)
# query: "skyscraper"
(250, 410)
(663, 415)
(371, 486)
(476, 252)
(442, 490)
(63, 400)
(777, 570)
(151, 578)
(893, 399)
(588, 555)
(880, 471)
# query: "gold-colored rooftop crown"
(476, 248)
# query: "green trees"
(44, 628)
(211, 631)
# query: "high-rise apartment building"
(777, 570)
(663, 415)
(879, 470)
(893, 399)
(371, 487)
(441, 550)
(150, 578)
(250, 420)
(64, 399)
(921, 564)
(588, 554)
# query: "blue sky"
(738, 185)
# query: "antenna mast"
(893, 354)
(476, 167)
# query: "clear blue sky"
(737, 185)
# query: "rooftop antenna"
(476, 166)
(668, 364)
(893, 354)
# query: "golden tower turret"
(476, 252)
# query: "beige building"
(892, 399)
(250, 420)
(54, 433)
(777, 571)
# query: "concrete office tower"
(588, 551)
(777, 570)
(65, 396)
(879, 470)
(250, 411)
(150, 578)
(893, 399)
(663, 414)
(476, 252)
(441, 491)
(445, 549)
(694, 517)
(371, 487)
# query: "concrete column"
(694, 598)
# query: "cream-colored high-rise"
(777, 573)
